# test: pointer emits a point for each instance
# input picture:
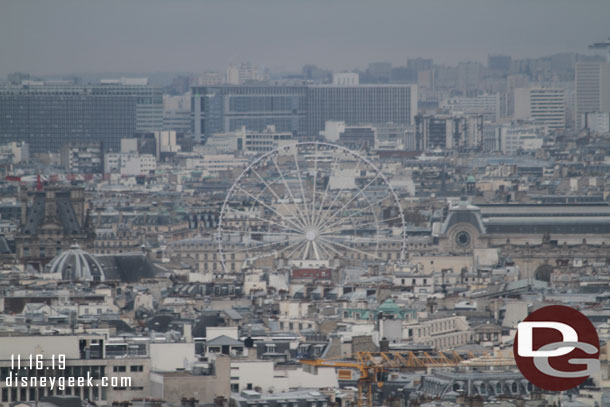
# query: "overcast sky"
(61, 36)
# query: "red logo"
(556, 348)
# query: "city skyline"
(61, 39)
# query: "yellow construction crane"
(369, 373)
(373, 366)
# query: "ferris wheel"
(311, 201)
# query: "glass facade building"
(222, 109)
(48, 117)
(360, 104)
(301, 110)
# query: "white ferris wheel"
(311, 201)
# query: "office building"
(592, 90)
(129, 164)
(362, 104)
(300, 110)
(225, 109)
(178, 121)
(486, 105)
(520, 137)
(448, 131)
(541, 105)
(598, 122)
(83, 157)
(253, 142)
(48, 116)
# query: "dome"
(77, 264)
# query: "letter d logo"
(557, 348)
(526, 339)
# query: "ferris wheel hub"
(311, 234)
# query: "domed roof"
(77, 264)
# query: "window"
(137, 368)
(119, 368)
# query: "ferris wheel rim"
(270, 154)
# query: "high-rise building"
(592, 90)
(48, 116)
(362, 104)
(542, 105)
(224, 109)
(300, 110)
(448, 131)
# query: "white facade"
(166, 142)
(514, 138)
(252, 142)
(15, 151)
(332, 130)
(542, 105)
(167, 357)
(269, 378)
(215, 162)
(129, 164)
(244, 72)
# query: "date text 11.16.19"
(38, 362)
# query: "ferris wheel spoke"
(323, 251)
(332, 169)
(269, 207)
(295, 245)
(306, 251)
(279, 199)
(313, 189)
(323, 217)
(294, 201)
(264, 220)
(301, 242)
(255, 248)
(296, 162)
(351, 248)
(331, 248)
(341, 220)
(315, 249)
(338, 212)
(275, 217)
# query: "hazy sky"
(61, 36)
